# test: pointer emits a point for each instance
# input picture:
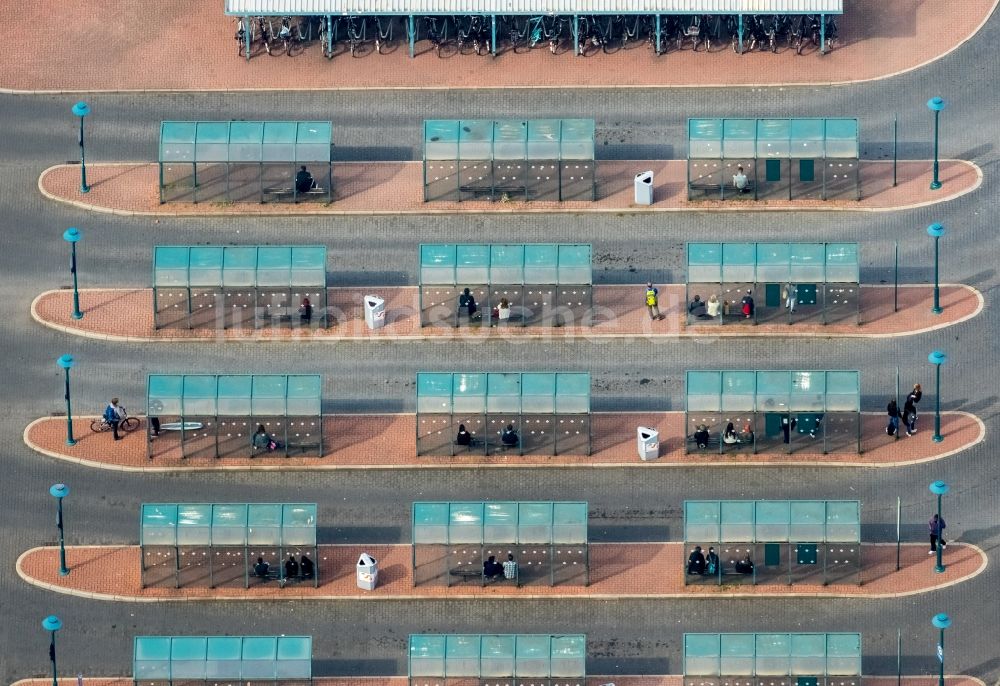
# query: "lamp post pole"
(935, 105)
(939, 488)
(52, 624)
(67, 362)
(72, 236)
(935, 231)
(941, 622)
(60, 491)
(81, 110)
(937, 358)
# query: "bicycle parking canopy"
(192, 544)
(779, 157)
(820, 281)
(549, 412)
(223, 286)
(242, 161)
(536, 159)
(436, 659)
(455, 539)
(772, 411)
(788, 541)
(545, 284)
(209, 660)
(215, 416)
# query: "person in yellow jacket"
(653, 301)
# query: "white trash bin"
(648, 441)
(367, 572)
(374, 311)
(644, 188)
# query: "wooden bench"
(278, 192)
(493, 191)
(717, 188)
(466, 573)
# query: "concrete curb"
(285, 211)
(703, 333)
(984, 561)
(317, 467)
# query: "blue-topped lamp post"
(935, 105)
(82, 109)
(60, 491)
(67, 362)
(52, 624)
(941, 622)
(935, 231)
(937, 358)
(72, 236)
(939, 488)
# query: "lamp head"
(66, 361)
(51, 623)
(81, 109)
(935, 230)
(937, 357)
(939, 488)
(941, 621)
(73, 235)
(936, 104)
(59, 491)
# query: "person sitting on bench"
(291, 567)
(463, 437)
(304, 181)
(696, 561)
(740, 180)
(509, 437)
(492, 569)
(468, 301)
(701, 436)
(261, 569)
(744, 566)
(307, 568)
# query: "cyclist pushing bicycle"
(114, 417)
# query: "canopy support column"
(822, 34)
(493, 39)
(739, 33)
(411, 33)
(658, 34)
(576, 35)
(329, 35)
(248, 33)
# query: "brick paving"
(351, 442)
(616, 570)
(192, 48)
(396, 188)
(128, 315)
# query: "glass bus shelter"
(789, 282)
(781, 158)
(225, 286)
(222, 660)
(550, 412)
(801, 659)
(545, 284)
(537, 159)
(207, 415)
(243, 161)
(815, 542)
(452, 540)
(774, 411)
(497, 659)
(216, 544)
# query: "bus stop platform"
(617, 570)
(378, 188)
(354, 444)
(619, 312)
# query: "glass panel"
(430, 523)
(773, 137)
(704, 391)
(269, 395)
(274, 266)
(500, 523)
(704, 262)
(177, 141)
(199, 396)
(808, 654)
(497, 656)
(224, 654)
(239, 266)
(807, 138)
(465, 523)
(574, 264)
(737, 518)
(259, 653)
(738, 138)
(701, 655)
(808, 521)
(158, 524)
(843, 521)
(427, 655)
(701, 521)
(541, 264)
(572, 393)
(244, 141)
(842, 263)
(532, 656)
(543, 139)
(842, 138)
(843, 654)
(229, 525)
(738, 263)
(298, 523)
(510, 140)
(773, 262)
(205, 266)
(279, 141)
(468, 393)
(170, 266)
(434, 393)
(475, 140)
(264, 524)
(313, 142)
(151, 659)
(462, 656)
(294, 657)
(305, 396)
(843, 392)
(568, 656)
(737, 654)
(503, 393)
(538, 393)
(808, 262)
(773, 391)
(437, 264)
(771, 519)
(506, 264)
(441, 139)
(534, 523)
(309, 266)
(705, 138)
(569, 523)
(234, 395)
(738, 391)
(187, 658)
(212, 142)
(472, 264)
(163, 394)
(808, 391)
(773, 652)
(577, 139)
(194, 525)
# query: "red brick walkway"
(192, 48)
(617, 570)
(396, 188)
(127, 315)
(389, 441)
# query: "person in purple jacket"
(936, 528)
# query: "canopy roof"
(773, 391)
(772, 521)
(237, 395)
(772, 138)
(218, 658)
(509, 139)
(246, 141)
(493, 656)
(765, 655)
(510, 393)
(239, 266)
(492, 522)
(265, 524)
(336, 7)
(772, 262)
(538, 263)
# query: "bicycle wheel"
(98, 426)
(129, 424)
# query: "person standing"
(746, 305)
(113, 415)
(892, 409)
(913, 398)
(653, 301)
(910, 416)
(936, 528)
(791, 296)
